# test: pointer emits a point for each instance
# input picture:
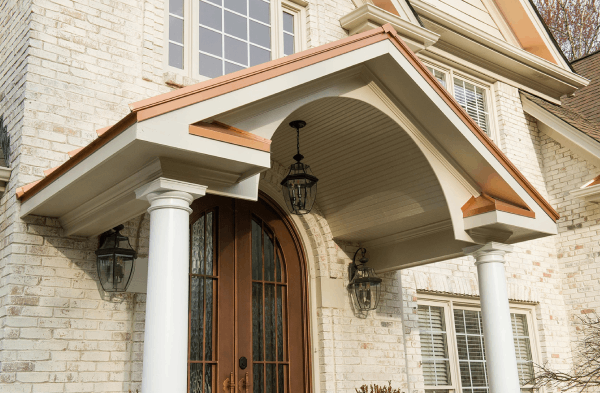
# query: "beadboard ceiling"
(346, 139)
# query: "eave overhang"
(563, 132)
(369, 16)
(95, 189)
(499, 57)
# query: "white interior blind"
(471, 351)
(522, 347)
(434, 346)
(472, 99)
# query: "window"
(452, 347)
(472, 98)
(439, 75)
(210, 38)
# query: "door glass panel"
(269, 316)
(257, 322)
(203, 287)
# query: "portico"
(402, 167)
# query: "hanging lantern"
(115, 259)
(365, 286)
(300, 185)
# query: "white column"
(166, 328)
(497, 329)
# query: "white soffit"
(564, 133)
(498, 56)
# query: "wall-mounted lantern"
(365, 286)
(300, 185)
(115, 259)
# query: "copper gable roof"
(190, 95)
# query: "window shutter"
(472, 99)
(434, 346)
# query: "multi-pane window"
(210, 38)
(453, 349)
(439, 75)
(176, 33)
(473, 100)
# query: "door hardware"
(243, 362)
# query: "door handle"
(229, 384)
(244, 384)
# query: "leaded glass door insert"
(269, 311)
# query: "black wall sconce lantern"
(115, 259)
(300, 185)
(365, 286)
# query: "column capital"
(489, 252)
(165, 193)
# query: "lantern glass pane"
(122, 271)
(105, 271)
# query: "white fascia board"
(357, 21)
(590, 194)
(509, 220)
(541, 215)
(178, 136)
(499, 46)
(78, 171)
(563, 131)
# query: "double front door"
(248, 329)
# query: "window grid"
(473, 100)
(439, 75)
(289, 37)
(228, 64)
(176, 47)
(467, 348)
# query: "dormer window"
(210, 38)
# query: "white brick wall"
(74, 67)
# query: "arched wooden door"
(248, 325)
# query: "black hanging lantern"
(300, 185)
(365, 286)
(115, 259)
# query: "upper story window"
(472, 98)
(452, 346)
(210, 38)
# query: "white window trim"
(488, 87)
(448, 303)
(190, 35)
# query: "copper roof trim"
(486, 203)
(228, 134)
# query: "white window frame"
(191, 38)
(449, 303)
(487, 87)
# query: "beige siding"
(472, 12)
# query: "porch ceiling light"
(115, 259)
(300, 185)
(365, 286)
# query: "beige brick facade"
(72, 67)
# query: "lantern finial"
(300, 185)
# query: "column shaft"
(166, 328)
(500, 355)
